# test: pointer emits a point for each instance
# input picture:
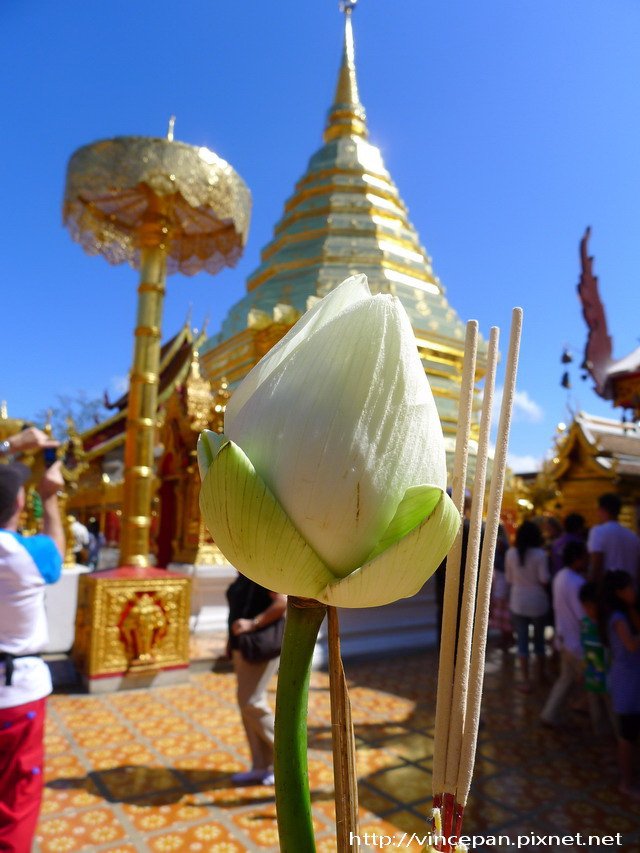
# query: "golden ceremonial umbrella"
(164, 207)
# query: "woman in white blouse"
(527, 570)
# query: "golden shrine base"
(132, 629)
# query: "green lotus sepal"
(258, 538)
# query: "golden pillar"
(143, 397)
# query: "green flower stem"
(293, 799)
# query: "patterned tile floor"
(149, 770)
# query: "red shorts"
(21, 769)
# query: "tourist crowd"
(584, 585)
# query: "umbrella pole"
(139, 475)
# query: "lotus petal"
(417, 504)
(252, 530)
(352, 290)
(401, 570)
(209, 445)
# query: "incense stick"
(464, 644)
(472, 718)
(450, 604)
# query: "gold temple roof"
(176, 358)
(606, 444)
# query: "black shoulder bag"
(263, 644)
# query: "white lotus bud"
(343, 458)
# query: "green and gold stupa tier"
(345, 216)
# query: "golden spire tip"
(346, 116)
(172, 123)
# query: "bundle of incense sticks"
(463, 642)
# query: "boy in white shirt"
(568, 612)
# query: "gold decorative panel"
(132, 620)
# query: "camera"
(50, 456)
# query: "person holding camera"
(27, 563)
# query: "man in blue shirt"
(27, 564)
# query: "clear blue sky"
(508, 126)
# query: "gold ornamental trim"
(137, 561)
(288, 239)
(388, 193)
(344, 123)
(146, 376)
(144, 422)
(357, 170)
(140, 521)
(142, 470)
(152, 287)
(346, 209)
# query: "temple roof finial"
(347, 116)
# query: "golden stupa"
(345, 216)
